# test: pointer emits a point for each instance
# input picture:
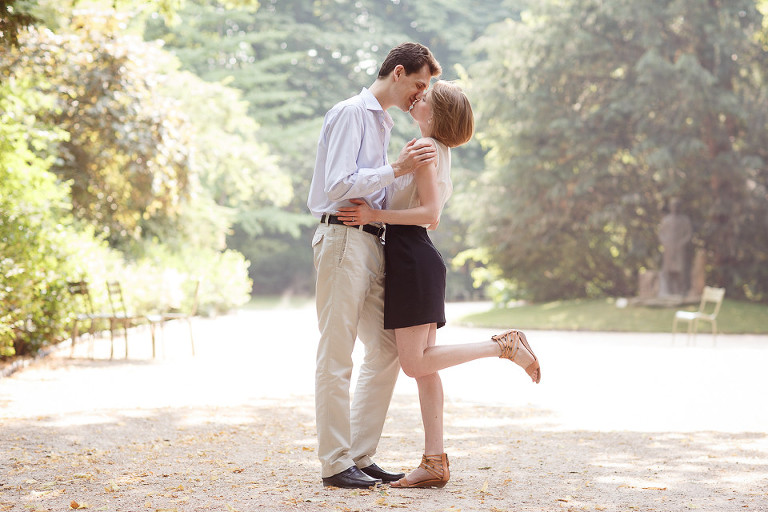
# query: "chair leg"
(91, 340)
(152, 327)
(695, 329)
(162, 335)
(74, 339)
(125, 335)
(191, 337)
(689, 335)
(111, 338)
(714, 332)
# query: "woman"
(415, 276)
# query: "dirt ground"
(619, 423)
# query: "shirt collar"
(371, 103)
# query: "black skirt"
(414, 290)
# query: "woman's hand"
(356, 215)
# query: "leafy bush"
(32, 229)
(163, 280)
(130, 203)
(42, 247)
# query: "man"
(352, 164)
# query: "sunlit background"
(161, 143)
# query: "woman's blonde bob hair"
(452, 120)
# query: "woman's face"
(421, 111)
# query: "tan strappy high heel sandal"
(437, 468)
(509, 342)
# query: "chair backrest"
(711, 300)
(80, 289)
(116, 302)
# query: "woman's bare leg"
(421, 359)
(431, 401)
(430, 398)
(417, 358)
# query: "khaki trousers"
(350, 305)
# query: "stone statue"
(674, 234)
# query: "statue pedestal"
(668, 301)
(649, 295)
(651, 292)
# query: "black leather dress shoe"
(351, 478)
(376, 472)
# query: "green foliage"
(232, 164)
(144, 166)
(57, 14)
(127, 154)
(486, 275)
(236, 176)
(31, 228)
(149, 147)
(42, 247)
(14, 17)
(596, 114)
(276, 267)
(293, 60)
(227, 285)
(163, 280)
(735, 317)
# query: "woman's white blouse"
(403, 193)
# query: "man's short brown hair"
(413, 57)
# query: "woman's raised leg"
(421, 359)
(418, 358)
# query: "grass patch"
(736, 317)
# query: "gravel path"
(620, 422)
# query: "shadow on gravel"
(262, 457)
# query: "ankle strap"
(509, 342)
(435, 465)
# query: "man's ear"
(398, 72)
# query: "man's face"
(411, 88)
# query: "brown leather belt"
(377, 231)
